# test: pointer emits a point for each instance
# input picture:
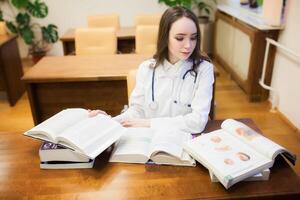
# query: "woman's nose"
(187, 44)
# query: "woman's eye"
(194, 38)
(178, 38)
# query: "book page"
(56, 124)
(244, 133)
(225, 155)
(92, 135)
(169, 141)
(133, 146)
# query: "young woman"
(174, 89)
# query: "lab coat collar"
(167, 65)
(173, 70)
(170, 70)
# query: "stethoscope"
(154, 105)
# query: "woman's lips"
(186, 53)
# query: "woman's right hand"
(93, 113)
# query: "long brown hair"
(168, 18)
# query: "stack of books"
(73, 139)
(55, 156)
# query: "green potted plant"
(19, 21)
(205, 9)
(185, 3)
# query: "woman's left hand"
(93, 113)
(136, 123)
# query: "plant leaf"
(1, 15)
(38, 9)
(50, 33)
(27, 35)
(185, 3)
(11, 27)
(207, 10)
(20, 3)
(23, 19)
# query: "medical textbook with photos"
(235, 152)
(161, 147)
(74, 129)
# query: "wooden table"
(95, 82)
(21, 178)
(10, 69)
(125, 36)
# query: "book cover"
(54, 152)
(66, 165)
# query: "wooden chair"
(147, 19)
(104, 20)
(3, 30)
(146, 39)
(95, 41)
(131, 81)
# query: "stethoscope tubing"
(152, 85)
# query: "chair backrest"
(3, 30)
(104, 20)
(95, 41)
(147, 19)
(131, 81)
(146, 39)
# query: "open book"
(235, 152)
(139, 145)
(73, 128)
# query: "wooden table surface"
(84, 68)
(21, 178)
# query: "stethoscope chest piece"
(153, 105)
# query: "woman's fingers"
(136, 123)
(126, 123)
(93, 113)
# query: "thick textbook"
(235, 152)
(66, 164)
(54, 152)
(73, 128)
(140, 145)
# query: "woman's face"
(182, 39)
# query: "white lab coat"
(190, 113)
